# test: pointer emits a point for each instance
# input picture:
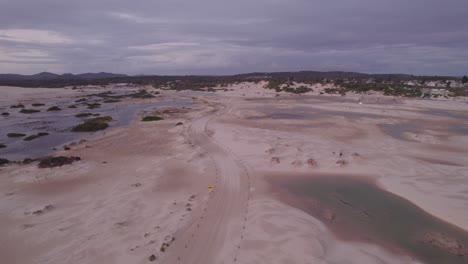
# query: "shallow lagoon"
(358, 210)
(59, 124)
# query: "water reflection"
(359, 210)
(59, 123)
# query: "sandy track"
(216, 233)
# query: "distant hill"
(66, 76)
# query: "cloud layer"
(218, 37)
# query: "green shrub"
(32, 137)
(51, 162)
(112, 101)
(298, 90)
(141, 94)
(151, 118)
(54, 108)
(93, 124)
(15, 135)
(93, 106)
(83, 115)
(90, 127)
(101, 119)
(29, 111)
(17, 106)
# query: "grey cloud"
(419, 36)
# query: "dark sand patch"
(54, 187)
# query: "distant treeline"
(194, 82)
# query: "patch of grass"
(5, 114)
(72, 106)
(94, 105)
(51, 162)
(298, 90)
(141, 94)
(151, 118)
(37, 104)
(103, 94)
(38, 135)
(17, 106)
(81, 100)
(93, 124)
(29, 111)
(100, 119)
(83, 115)
(2, 146)
(15, 135)
(54, 108)
(111, 98)
(90, 127)
(112, 101)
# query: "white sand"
(123, 210)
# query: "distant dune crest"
(49, 75)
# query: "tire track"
(217, 233)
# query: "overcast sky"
(223, 37)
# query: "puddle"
(462, 116)
(360, 211)
(397, 131)
(59, 124)
(306, 113)
(461, 129)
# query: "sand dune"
(140, 193)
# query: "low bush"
(54, 108)
(94, 105)
(141, 94)
(51, 162)
(151, 118)
(15, 135)
(83, 115)
(112, 101)
(94, 124)
(298, 90)
(29, 111)
(17, 106)
(38, 135)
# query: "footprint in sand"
(275, 160)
